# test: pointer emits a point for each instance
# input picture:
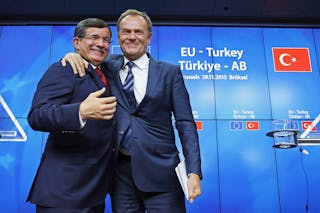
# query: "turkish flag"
(291, 59)
(306, 124)
(252, 125)
(199, 125)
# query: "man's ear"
(76, 41)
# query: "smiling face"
(133, 36)
(94, 45)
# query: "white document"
(183, 177)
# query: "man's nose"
(132, 35)
(100, 41)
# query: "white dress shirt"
(140, 72)
(82, 121)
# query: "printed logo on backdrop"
(6, 161)
(239, 125)
(306, 124)
(234, 68)
(199, 125)
(236, 125)
(295, 125)
(252, 125)
(10, 129)
(291, 59)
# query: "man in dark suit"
(148, 92)
(76, 166)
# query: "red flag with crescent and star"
(291, 60)
(252, 125)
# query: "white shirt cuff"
(82, 122)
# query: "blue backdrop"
(236, 90)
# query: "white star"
(13, 84)
(6, 161)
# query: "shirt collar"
(93, 66)
(140, 62)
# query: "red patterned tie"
(102, 77)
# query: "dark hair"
(134, 12)
(81, 28)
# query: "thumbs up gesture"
(97, 107)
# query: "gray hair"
(134, 12)
(81, 28)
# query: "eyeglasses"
(95, 38)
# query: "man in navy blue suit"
(76, 166)
(146, 153)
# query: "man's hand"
(77, 63)
(194, 187)
(98, 108)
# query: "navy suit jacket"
(154, 154)
(76, 166)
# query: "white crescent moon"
(282, 61)
(306, 125)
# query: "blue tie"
(128, 86)
(128, 89)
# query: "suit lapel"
(96, 79)
(115, 66)
(153, 77)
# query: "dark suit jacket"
(76, 165)
(154, 154)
